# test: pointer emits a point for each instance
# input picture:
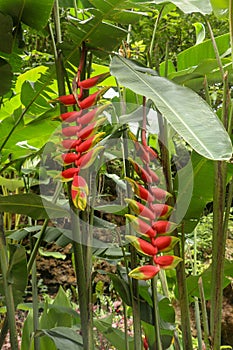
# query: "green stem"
(183, 296)
(218, 254)
(126, 327)
(215, 47)
(35, 306)
(220, 221)
(231, 26)
(204, 314)
(196, 302)
(58, 54)
(85, 314)
(157, 345)
(7, 287)
(133, 261)
(153, 36)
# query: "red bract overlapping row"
(80, 134)
(149, 216)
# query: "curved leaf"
(33, 13)
(189, 6)
(186, 111)
(6, 37)
(31, 205)
(6, 76)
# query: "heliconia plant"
(151, 217)
(80, 133)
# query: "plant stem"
(196, 302)
(57, 53)
(183, 296)
(133, 260)
(7, 287)
(231, 26)
(180, 269)
(126, 327)
(220, 223)
(153, 35)
(204, 314)
(157, 344)
(35, 306)
(218, 254)
(85, 315)
(215, 47)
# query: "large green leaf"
(17, 272)
(63, 337)
(6, 76)
(6, 37)
(192, 281)
(31, 205)
(98, 26)
(200, 181)
(113, 335)
(188, 6)
(25, 139)
(186, 111)
(197, 53)
(194, 76)
(220, 7)
(31, 12)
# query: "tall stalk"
(82, 278)
(133, 262)
(220, 218)
(7, 287)
(220, 209)
(179, 248)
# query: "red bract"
(69, 173)
(154, 176)
(144, 272)
(160, 194)
(71, 130)
(71, 143)
(161, 210)
(142, 173)
(140, 191)
(167, 261)
(90, 116)
(87, 159)
(142, 246)
(67, 99)
(79, 192)
(70, 117)
(140, 209)
(90, 142)
(89, 130)
(90, 82)
(69, 158)
(92, 99)
(163, 226)
(141, 226)
(165, 243)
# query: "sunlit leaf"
(186, 111)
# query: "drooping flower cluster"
(80, 135)
(150, 219)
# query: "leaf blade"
(186, 111)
